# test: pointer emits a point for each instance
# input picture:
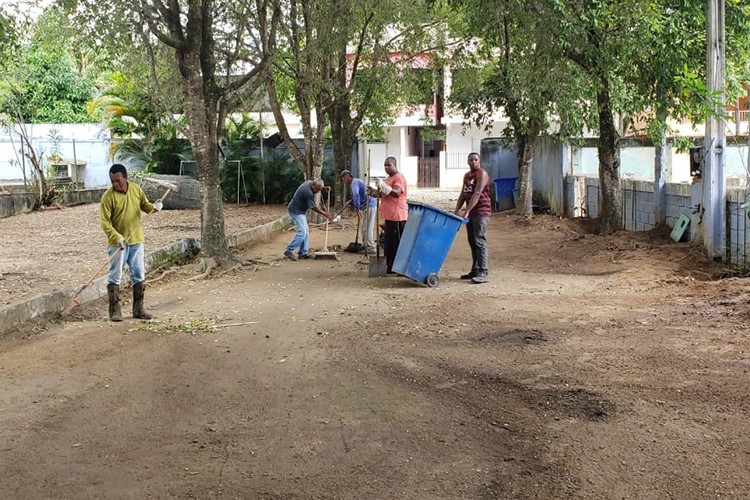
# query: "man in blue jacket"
(361, 201)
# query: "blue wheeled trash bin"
(504, 196)
(428, 235)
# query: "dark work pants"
(476, 229)
(393, 231)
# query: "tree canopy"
(45, 84)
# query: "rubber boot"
(113, 293)
(138, 311)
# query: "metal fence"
(737, 225)
(190, 168)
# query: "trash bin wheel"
(432, 280)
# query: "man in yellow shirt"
(120, 214)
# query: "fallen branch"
(235, 324)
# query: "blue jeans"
(301, 238)
(133, 257)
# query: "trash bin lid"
(436, 209)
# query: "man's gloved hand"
(359, 214)
(122, 243)
(158, 206)
(384, 187)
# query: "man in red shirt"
(476, 195)
(393, 209)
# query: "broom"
(325, 253)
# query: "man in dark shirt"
(302, 201)
(476, 195)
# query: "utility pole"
(713, 194)
(662, 168)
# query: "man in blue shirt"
(360, 201)
(302, 201)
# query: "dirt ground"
(59, 249)
(589, 367)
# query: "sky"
(31, 8)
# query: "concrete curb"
(49, 304)
(258, 234)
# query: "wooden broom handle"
(328, 209)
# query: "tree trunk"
(201, 111)
(343, 142)
(610, 206)
(311, 161)
(187, 196)
(525, 154)
(278, 115)
(317, 154)
(45, 189)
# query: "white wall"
(409, 167)
(460, 140)
(689, 130)
(394, 145)
(86, 142)
(377, 152)
(292, 121)
(451, 176)
(638, 163)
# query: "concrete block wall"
(593, 194)
(20, 203)
(679, 202)
(15, 203)
(582, 196)
(80, 196)
(738, 233)
(637, 205)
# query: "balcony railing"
(740, 120)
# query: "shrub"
(277, 177)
